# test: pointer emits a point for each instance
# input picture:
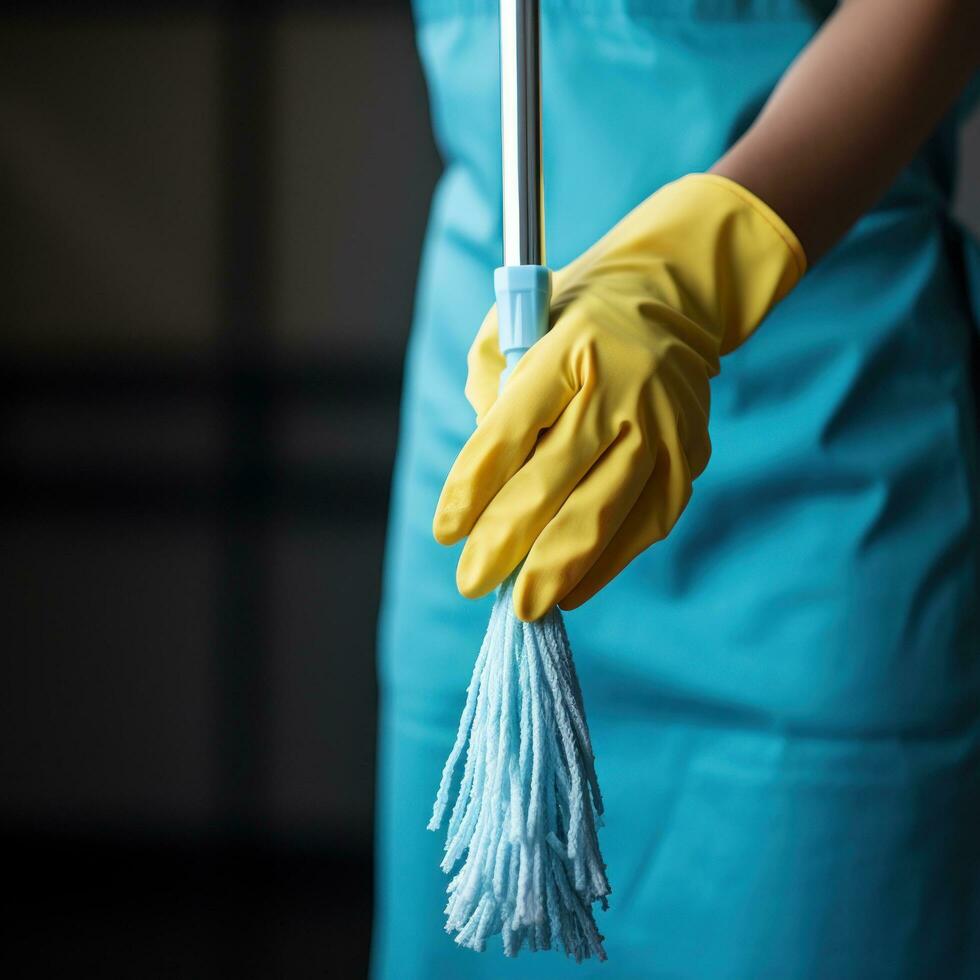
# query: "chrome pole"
(520, 124)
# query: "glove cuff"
(749, 257)
(781, 229)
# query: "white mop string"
(522, 834)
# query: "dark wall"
(210, 221)
(968, 189)
(211, 227)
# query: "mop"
(521, 841)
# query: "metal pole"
(520, 124)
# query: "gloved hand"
(588, 455)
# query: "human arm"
(852, 110)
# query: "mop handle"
(523, 284)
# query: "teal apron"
(784, 696)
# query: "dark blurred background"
(210, 219)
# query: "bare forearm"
(853, 109)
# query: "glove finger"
(484, 364)
(574, 539)
(656, 511)
(691, 399)
(505, 531)
(536, 395)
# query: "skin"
(852, 110)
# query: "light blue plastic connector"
(523, 300)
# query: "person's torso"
(838, 512)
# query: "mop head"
(522, 833)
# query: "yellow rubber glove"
(588, 455)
